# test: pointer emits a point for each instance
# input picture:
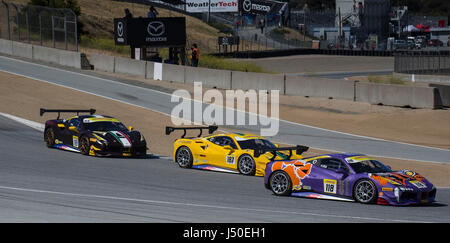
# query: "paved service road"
(38, 184)
(289, 133)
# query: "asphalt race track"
(289, 133)
(38, 184)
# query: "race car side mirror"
(130, 128)
(228, 147)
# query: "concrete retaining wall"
(102, 62)
(70, 59)
(433, 96)
(6, 47)
(150, 70)
(46, 54)
(171, 72)
(398, 95)
(320, 87)
(444, 93)
(22, 50)
(130, 66)
(209, 77)
(61, 57)
(257, 81)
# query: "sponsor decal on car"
(297, 170)
(75, 141)
(230, 159)
(330, 186)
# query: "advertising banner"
(201, 6)
(223, 41)
(157, 32)
(263, 7)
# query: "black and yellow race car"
(93, 135)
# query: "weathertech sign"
(202, 6)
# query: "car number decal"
(75, 141)
(329, 186)
(230, 159)
(418, 184)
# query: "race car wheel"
(49, 137)
(84, 145)
(246, 165)
(280, 183)
(365, 191)
(184, 157)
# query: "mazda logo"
(247, 5)
(156, 28)
(120, 29)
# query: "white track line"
(294, 123)
(35, 125)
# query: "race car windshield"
(256, 143)
(105, 126)
(369, 166)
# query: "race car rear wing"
(42, 111)
(211, 129)
(299, 149)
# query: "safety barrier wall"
(444, 93)
(209, 77)
(40, 53)
(22, 50)
(46, 54)
(257, 81)
(6, 47)
(102, 62)
(70, 59)
(130, 66)
(398, 95)
(174, 73)
(320, 87)
(394, 95)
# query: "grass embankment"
(385, 79)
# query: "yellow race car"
(233, 152)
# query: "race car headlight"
(142, 138)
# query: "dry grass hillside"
(97, 17)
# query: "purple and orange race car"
(348, 177)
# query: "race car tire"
(49, 137)
(280, 183)
(184, 157)
(365, 191)
(84, 145)
(246, 165)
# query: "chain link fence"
(51, 27)
(422, 62)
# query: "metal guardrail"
(52, 27)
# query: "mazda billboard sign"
(256, 6)
(156, 32)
